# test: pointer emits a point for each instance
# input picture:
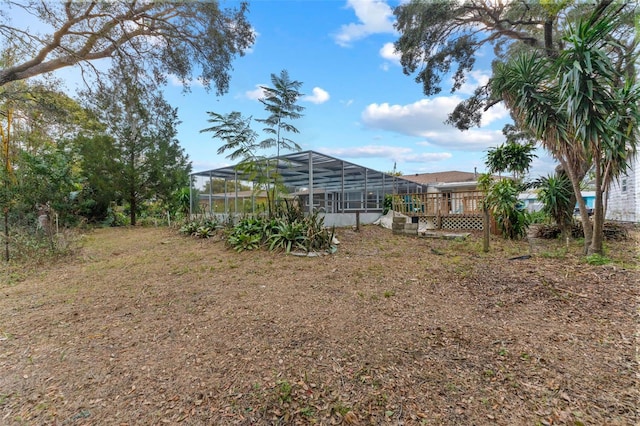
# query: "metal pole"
(342, 186)
(190, 196)
(310, 183)
(366, 192)
(226, 199)
(210, 194)
(235, 178)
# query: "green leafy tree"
(160, 37)
(501, 196)
(602, 103)
(439, 38)
(236, 133)
(142, 125)
(50, 177)
(239, 141)
(169, 166)
(502, 202)
(40, 160)
(582, 106)
(512, 157)
(100, 170)
(280, 102)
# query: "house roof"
(442, 177)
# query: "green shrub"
(288, 236)
(597, 259)
(502, 200)
(289, 230)
(248, 234)
(201, 228)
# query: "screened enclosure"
(321, 182)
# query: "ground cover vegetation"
(288, 229)
(146, 326)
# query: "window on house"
(623, 185)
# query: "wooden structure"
(443, 210)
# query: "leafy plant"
(243, 241)
(387, 204)
(502, 200)
(597, 259)
(288, 236)
(203, 232)
(555, 193)
(284, 391)
(318, 236)
(248, 234)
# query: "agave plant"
(288, 236)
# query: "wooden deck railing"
(467, 203)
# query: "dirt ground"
(145, 326)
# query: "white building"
(623, 202)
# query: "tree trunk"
(486, 231)
(584, 215)
(6, 234)
(596, 246)
(133, 205)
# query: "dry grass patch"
(145, 326)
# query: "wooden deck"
(446, 210)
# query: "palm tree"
(512, 157)
(583, 109)
(527, 86)
(603, 105)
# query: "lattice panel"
(449, 222)
(430, 222)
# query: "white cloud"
(495, 113)
(255, 94)
(388, 52)
(474, 79)
(319, 96)
(395, 153)
(413, 119)
(542, 165)
(426, 119)
(174, 80)
(469, 140)
(347, 103)
(375, 16)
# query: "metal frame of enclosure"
(333, 185)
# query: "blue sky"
(359, 106)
